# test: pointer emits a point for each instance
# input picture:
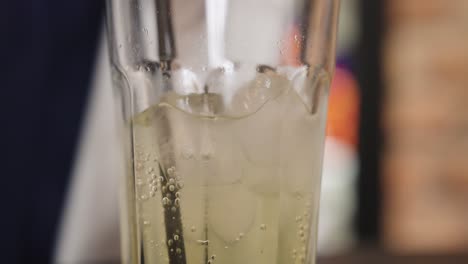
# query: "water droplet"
(170, 242)
(146, 222)
(241, 235)
(171, 181)
(177, 202)
(180, 184)
(154, 189)
(203, 242)
(178, 250)
(177, 194)
(174, 209)
(165, 201)
(193, 229)
(171, 188)
(161, 179)
(176, 237)
(163, 189)
(263, 227)
(169, 195)
(152, 194)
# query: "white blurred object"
(89, 231)
(338, 199)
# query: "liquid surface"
(230, 181)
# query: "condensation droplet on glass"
(193, 229)
(176, 237)
(165, 201)
(170, 242)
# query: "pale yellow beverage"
(228, 181)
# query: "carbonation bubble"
(203, 242)
(170, 171)
(171, 188)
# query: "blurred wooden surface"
(425, 123)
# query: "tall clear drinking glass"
(224, 106)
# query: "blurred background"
(402, 66)
(396, 161)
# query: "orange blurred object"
(343, 108)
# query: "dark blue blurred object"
(47, 52)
